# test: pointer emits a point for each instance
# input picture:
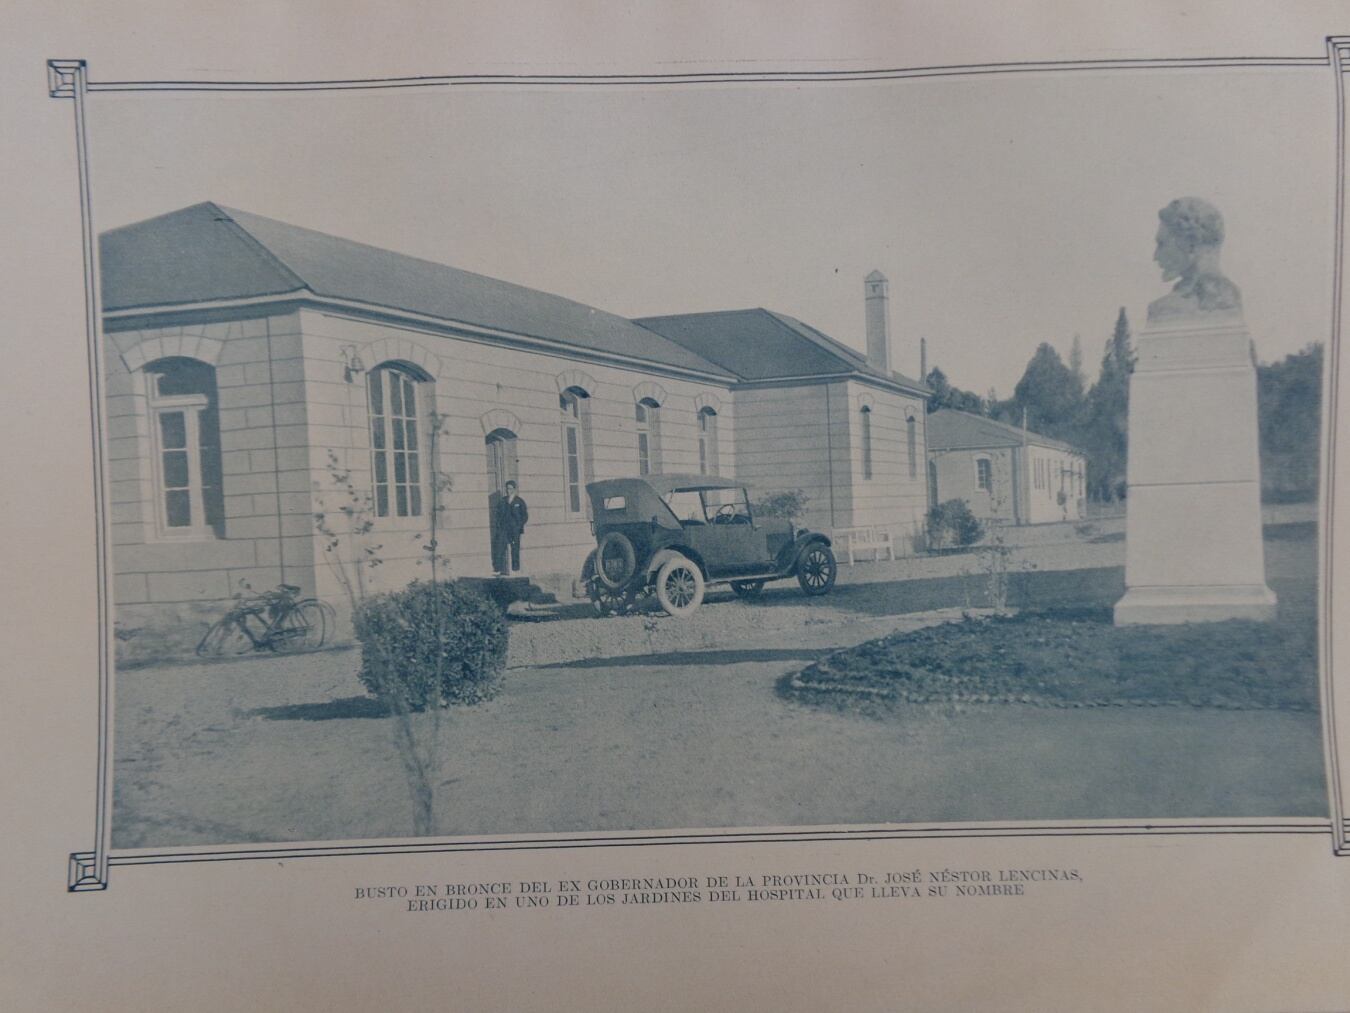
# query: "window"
(707, 442)
(394, 442)
(724, 506)
(932, 484)
(866, 442)
(648, 414)
(983, 474)
(185, 428)
(686, 505)
(1038, 474)
(912, 445)
(575, 439)
(709, 506)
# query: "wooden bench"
(850, 541)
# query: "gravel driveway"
(288, 749)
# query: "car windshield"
(708, 506)
(686, 505)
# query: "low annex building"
(1004, 472)
(268, 383)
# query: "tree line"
(1055, 399)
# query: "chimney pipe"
(877, 302)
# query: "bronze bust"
(1190, 234)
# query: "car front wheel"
(816, 569)
(679, 587)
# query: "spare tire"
(615, 560)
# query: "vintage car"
(675, 535)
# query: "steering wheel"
(726, 514)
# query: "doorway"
(503, 466)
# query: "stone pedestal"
(1193, 549)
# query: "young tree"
(418, 731)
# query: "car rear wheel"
(615, 560)
(609, 602)
(747, 588)
(679, 587)
(816, 569)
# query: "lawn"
(1073, 656)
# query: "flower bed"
(1073, 659)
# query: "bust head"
(1190, 235)
(1188, 228)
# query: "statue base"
(1193, 543)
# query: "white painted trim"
(500, 418)
(648, 389)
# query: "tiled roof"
(207, 252)
(760, 344)
(949, 429)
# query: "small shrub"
(952, 524)
(790, 504)
(431, 644)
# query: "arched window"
(866, 441)
(395, 440)
(984, 478)
(912, 445)
(574, 404)
(185, 428)
(707, 442)
(648, 414)
(503, 463)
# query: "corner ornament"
(61, 75)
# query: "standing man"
(511, 523)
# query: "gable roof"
(208, 252)
(949, 429)
(760, 344)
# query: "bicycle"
(272, 620)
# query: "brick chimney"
(878, 299)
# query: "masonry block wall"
(293, 406)
(261, 409)
(958, 478)
(798, 438)
(1060, 472)
(895, 496)
(479, 388)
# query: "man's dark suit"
(512, 515)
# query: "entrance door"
(502, 466)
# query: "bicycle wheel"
(225, 636)
(305, 627)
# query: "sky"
(1006, 210)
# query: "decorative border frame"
(89, 870)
